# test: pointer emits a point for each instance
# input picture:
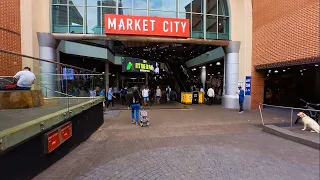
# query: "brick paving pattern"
(202, 143)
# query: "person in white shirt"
(145, 95)
(210, 94)
(24, 79)
(168, 93)
(158, 94)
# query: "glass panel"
(93, 2)
(211, 6)
(169, 5)
(59, 2)
(155, 4)
(170, 14)
(184, 5)
(125, 3)
(211, 27)
(76, 2)
(197, 26)
(92, 20)
(106, 10)
(223, 8)
(156, 13)
(108, 3)
(125, 11)
(140, 4)
(185, 16)
(197, 6)
(140, 12)
(59, 19)
(223, 27)
(76, 19)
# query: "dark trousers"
(110, 101)
(123, 100)
(241, 105)
(210, 101)
(23, 88)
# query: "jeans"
(110, 101)
(241, 105)
(137, 108)
(23, 88)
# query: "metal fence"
(292, 110)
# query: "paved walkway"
(198, 143)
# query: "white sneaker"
(240, 111)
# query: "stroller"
(144, 119)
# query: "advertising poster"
(139, 65)
(248, 86)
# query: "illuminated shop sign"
(146, 25)
(139, 65)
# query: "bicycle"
(312, 114)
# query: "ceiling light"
(174, 50)
(268, 74)
(304, 69)
(316, 65)
(301, 70)
(210, 64)
(288, 68)
(203, 67)
(269, 71)
(301, 74)
(218, 63)
(218, 72)
(208, 74)
(284, 70)
(194, 76)
(276, 71)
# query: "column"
(106, 74)
(147, 79)
(230, 99)
(203, 76)
(47, 51)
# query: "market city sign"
(146, 25)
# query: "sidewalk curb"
(289, 135)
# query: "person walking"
(210, 94)
(135, 105)
(123, 93)
(241, 98)
(110, 98)
(158, 94)
(145, 95)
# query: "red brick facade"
(282, 31)
(10, 38)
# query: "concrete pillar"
(230, 99)
(47, 51)
(203, 76)
(106, 76)
(147, 79)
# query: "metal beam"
(61, 36)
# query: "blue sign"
(248, 86)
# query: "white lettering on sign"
(112, 23)
(129, 24)
(177, 25)
(183, 24)
(152, 24)
(121, 25)
(145, 25)
(137, 24)
(165, 23)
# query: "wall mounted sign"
(146, 25)
(139, 65)
(248, 86)
(56, 137)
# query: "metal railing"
(292, 109)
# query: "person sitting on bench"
(24, 79)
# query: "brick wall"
(282, 31)
(10, 38)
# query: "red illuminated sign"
(53, 140)
(56, 137)
(146, 25)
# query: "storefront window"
(211, 27)
(169, 5)
(223, 28)
(76, 2)
(197, 6)
(212, 7)
(94, 3)
(197, 26)
(92, 21)
(59, 2)
(223, 7)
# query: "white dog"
(309, 122)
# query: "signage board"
(139, 65)
(146, 25)
(248, 86)
(56, 137)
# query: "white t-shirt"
(158, 92)
(145, 93)
(25, 78)
(210, 92)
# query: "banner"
(248, 86)
(139, 65)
